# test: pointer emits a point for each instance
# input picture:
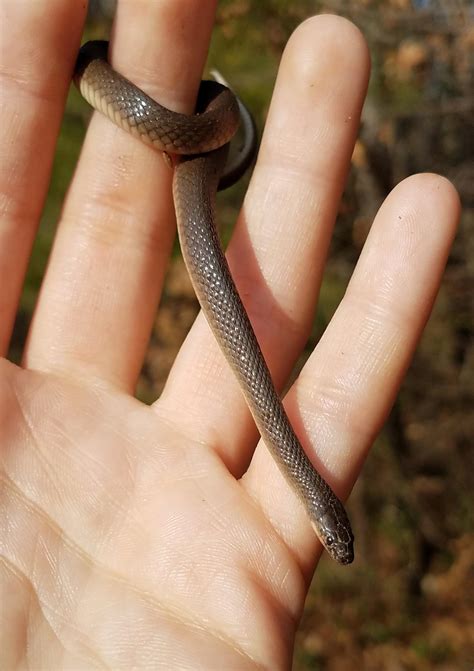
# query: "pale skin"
(164, 536)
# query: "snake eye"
(329, 540)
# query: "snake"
(197, 145)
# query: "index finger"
(35, 74)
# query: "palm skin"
(130, 531)
(164, 536)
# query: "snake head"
(334, 532)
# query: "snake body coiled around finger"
(201, 140)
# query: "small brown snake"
(202, 142)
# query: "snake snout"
(336, 536)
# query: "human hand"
(129, 538)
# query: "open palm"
(164, 536)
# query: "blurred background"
(407, 603)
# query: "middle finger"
(99, 296)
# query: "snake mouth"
(347, 557)
(345, 553)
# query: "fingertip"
(328, 40)
(437, 191)
(426, 198)
(162, 47)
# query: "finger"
(105, 275)
(35, 71)
(347, 387)
(280, 243)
